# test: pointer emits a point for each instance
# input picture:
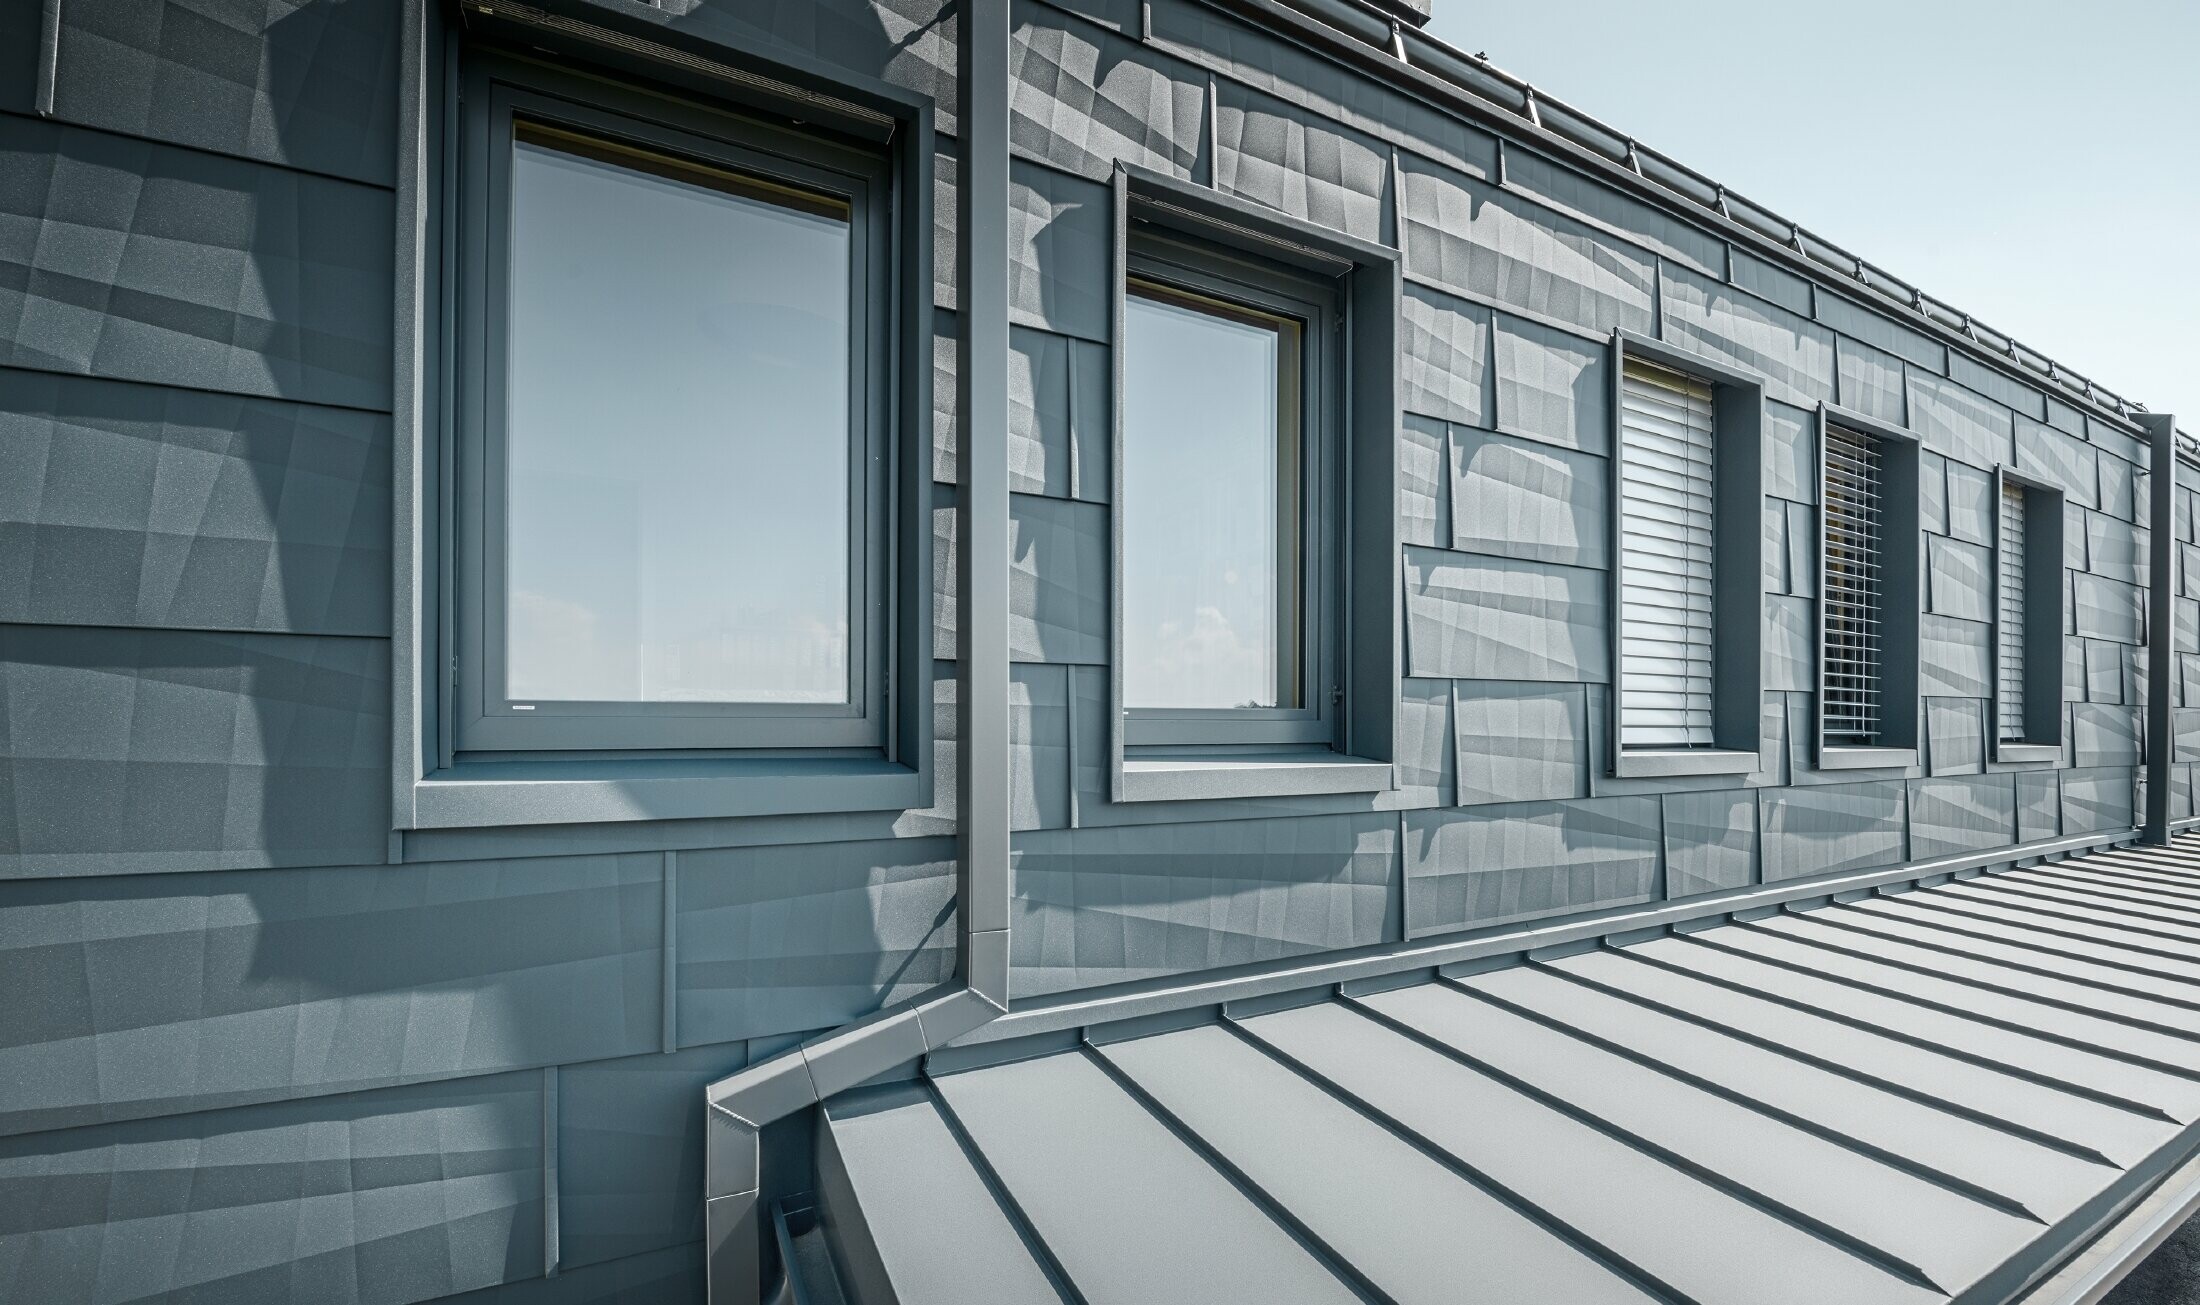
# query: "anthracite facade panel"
(256, 1023)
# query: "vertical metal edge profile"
(1818, 605)
(1120, 196)
(1994, 636)
(550, 1171)
(1615, 581)
(49, 58)
(669, 1000)
(412, 291)
(739, 1106)
(2161, 749)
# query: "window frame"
(1344, 741)
(1738, 603)
(487, 721)
(2044, 589)
(1171, 263)
(435, 786)
(1901, 543)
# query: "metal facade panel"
(2058, 459)
(1093, 1169)
(1496, 864)
(1790, 661)
(152, 750)
(1792, 353)
(2103, 735)
(1955, 736)
(2107, 609)
(1106, 905)
(1573, 192)
(1553, 386)
(1281, 156)
(1955, 657)
(1057, 584)
(311, 86)
(2115, 549)
(2097, 799)
(1818, 830)
(1521, 742)
(1958, 424)
(1475, 238)
(1445, 357)
(405, 1194)
(1428, 746)
(1791, 453)
(1082, 99)
(1424, 482)
(630, 1152)
(1493, 618)
(1769, 283)
(1948, 816)
(167, 993)
(808, 936)
(129, 259)
(1959, 580)
(1851, 319)
(1870, 382)
(1710, 842)
(140, 505)
(1516, 498)
(1059, 237)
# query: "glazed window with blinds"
(2010, 633)
(1667, 513)
(1854, 559)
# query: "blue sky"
(2035, 164)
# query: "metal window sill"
(2027, 752)
(484, 794)
(1660, 763)
(1866, 758)
(1243, 775)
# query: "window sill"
(1866, 758)
(483, 794)
(1241, 775)
(2027, 752)
(1660, 764)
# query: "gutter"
(741, 1106)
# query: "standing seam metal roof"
(1923, 1095)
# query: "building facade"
(555, 551)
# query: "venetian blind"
(1665, 521)
(1851, 539)
(2011, 616)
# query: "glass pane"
(1210, 494)
(677, 427)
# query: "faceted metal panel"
(1057, 580)
(140, 505)
(1790, 660)
(2058, 459)
(2119, 489)
(1082, 99)
(1424, 482)
(1802, 550)
(1445, 347)
(809, 936)
(1959, 580)
(1791, 453)
(1995, 384)
(907, 43)
(1516, 498)
(1970, 503)
(1951, 816)
(630, 1152)
(1573, 192)
(2097, 799)
(1553, 386)
(673, 1274)
(125, 751)
(1710, 842)
(2115, 549)
(2103, 735)
(1955, 736)
(1492, 865)
(310, 85)
(2039, 804)
(1521, 742)
(1959, 424)
(945, 270)
(1096, 906)
(164, 993)
(1768, 282)
(1475, 238)
(400, 1195)
(1428, 744)
(2104, 667)
(1932, 493)
(1793, 354)
(149, 262)
(1850, 319)
(1296, 163)
(1060, 243)
(1870, 382)
(1825, 828)
(2107, 609)
(1493, 618)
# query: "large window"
(2028, 619)
(1687, 549)
(1256, 595)
(1868, 594)
(1221, 613)
(672, 500)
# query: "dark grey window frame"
(2044, 586)
(1342, 739)
(887, 763)
(1738, 603)
(1900, 598)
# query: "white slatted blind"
(1852, 566)
(1665, 522)
(2011, 615)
